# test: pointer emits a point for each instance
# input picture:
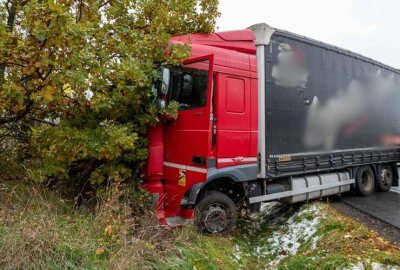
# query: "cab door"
(187, 140)
(233, 120)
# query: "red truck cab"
(214, 139)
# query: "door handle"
(198, 160)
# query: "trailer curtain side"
(326, 108)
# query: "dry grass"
(130, 241)
(38, 230)
(344, 243)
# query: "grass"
(343, 242)
(40, 230)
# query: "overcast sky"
(369, 27)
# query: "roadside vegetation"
(76, 84)
(39, 229)
(76, 100)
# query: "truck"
(268, 115)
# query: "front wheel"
(215, 213)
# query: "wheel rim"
(386, 177)
(367, 180)
(215, 218)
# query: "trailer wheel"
(385, 180)
(365, 181)
(215, 214)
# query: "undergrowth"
(41, 230)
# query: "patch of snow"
(237, 253)
(375, 266)
(271, 212)
(359, 266)
(298, 229)
(378, 266)
(347, 236)
(270, 208)
(314, 242)
(280, 232)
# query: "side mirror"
(161, 101)
(166, 73)
(161, 104)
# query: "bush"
(76, 81)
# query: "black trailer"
(325, 114)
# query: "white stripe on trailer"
(185, 167)
(237, 159)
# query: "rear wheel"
(385, 181)
(365, 181)
(215, 213)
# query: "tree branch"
(43, 121)
(12, 12)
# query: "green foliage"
(76, 79)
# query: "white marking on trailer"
(185, 167)
(236, 159)
(336, 151)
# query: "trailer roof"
(329, 47)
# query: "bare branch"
(104, 4)
(43, 121)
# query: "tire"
(215, 214)
(365, 181)
(385, 180)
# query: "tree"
(76, 80)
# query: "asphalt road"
(384, 206)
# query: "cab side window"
(189, 88)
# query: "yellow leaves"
(20, 43)
(28, 70)
(55, 8)
(108, 231)
(56, 58)
(96, 178)
(149, 246)
(16, 88)
(68, 90)
(100, 251)
(105, 153)
(47, 93)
